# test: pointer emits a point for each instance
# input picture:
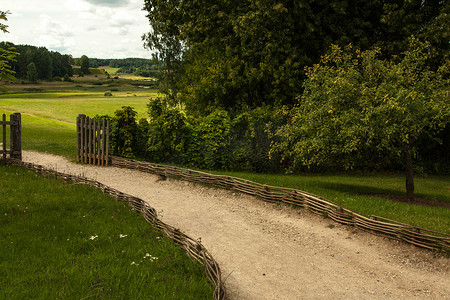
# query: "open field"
(65, 106)
(63, 240)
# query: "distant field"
(66, 106)
(109, 69)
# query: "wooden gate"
(15, 137)
(92, 140)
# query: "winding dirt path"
(269, 251)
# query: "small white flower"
(133, 263)
(122, 235)
(93, 237)
(152, 258)
(158, 237)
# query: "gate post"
(80, 130)
(16, 136)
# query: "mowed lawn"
(66, 106)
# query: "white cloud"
(96, 28)
(54, 35)
(110, 3)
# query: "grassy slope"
(60, 240)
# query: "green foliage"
(32, 73)
(234, 54)
(7, 55)
(253, 133)
(168, 132)
(209, 144)
(84, 64)
(124, 131)
(108, 94)
(216, 141)
(48, 63)
(360, 111)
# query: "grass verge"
(371, 194)
(61, 240)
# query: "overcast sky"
(96, 28)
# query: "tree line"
(38, 63)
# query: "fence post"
(4, 136)
(106, 146)
(16, 136)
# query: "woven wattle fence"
(192, 247)
(421, 237)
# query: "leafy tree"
(237, 54)
(359, 109)
(7, 54)
(32, 73)
(84, 63)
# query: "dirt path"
(273, 252)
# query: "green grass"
(47, 135)
(66, 106)
(66, 241)
(353, 192)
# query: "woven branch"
(433, 240)
(193, 248)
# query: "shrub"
(168, 132)
(124, 131)
(108, 94)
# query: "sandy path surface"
(269, 251)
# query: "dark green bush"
(124, 132)
(168, 133)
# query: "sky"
(96, 28)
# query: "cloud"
(109, 3)
(53, 34)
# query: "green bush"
(168, 133)
(124, 132)
(209, 143)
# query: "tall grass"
(61, 240)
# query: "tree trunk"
(409, 172)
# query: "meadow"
(65, 106)
(48, 126)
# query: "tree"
(245, 53)
(32, 73)
(7, 54)
(358, 109)
(84, 63)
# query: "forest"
(38, 63)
